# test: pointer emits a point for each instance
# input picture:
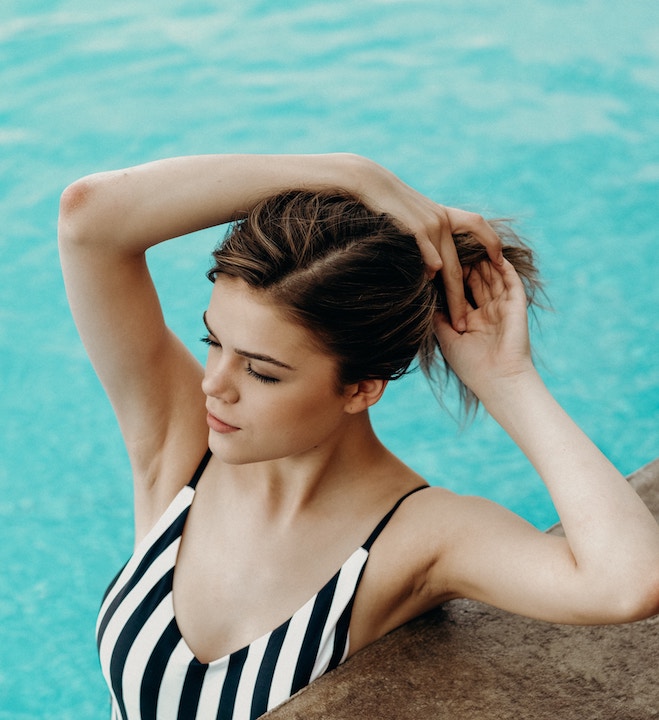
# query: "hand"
(496, 343)
(433, 225)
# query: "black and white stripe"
(151, 671)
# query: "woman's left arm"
(607, 567)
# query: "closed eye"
(267, 379)
(261, 378)
(208, 340)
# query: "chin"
(229, 450)
(232, 455)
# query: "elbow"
(649, 602)
(76, 195)
(639, 600)
(627, 595)
(77, 212)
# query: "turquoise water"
(543, 111)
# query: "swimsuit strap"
(200, 469)
(382, 524)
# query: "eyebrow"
(252, 355)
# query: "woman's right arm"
(109, 220)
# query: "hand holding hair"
(495, 344)
(434, 226)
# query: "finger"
(509, 278)
(453, 279)
(429, 254)
(496, 280)
(462, 221)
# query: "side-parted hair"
(353, 277)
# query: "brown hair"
(351, 276)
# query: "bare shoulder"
(424, 522)
(392, 591)
(435, 543)
(443, 531)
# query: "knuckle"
(479, 222)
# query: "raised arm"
(607, 567)
(109, 220)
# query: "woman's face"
(270, 391)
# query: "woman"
(301, 539)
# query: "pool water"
(546, 112)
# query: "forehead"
(250, 319)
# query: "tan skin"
(298, 478)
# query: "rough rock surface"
(469, 661)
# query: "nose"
(219, 381)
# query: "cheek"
(288, 416)
(317, 412)
(303, 412)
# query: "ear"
(362, 395)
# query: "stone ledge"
(469, 661)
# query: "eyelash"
(266, 379)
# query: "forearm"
(136, 208)
(613, 537)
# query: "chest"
(151, 665)
(236, 581)
(190, 621)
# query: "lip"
(219, 426)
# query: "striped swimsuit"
(152, 673)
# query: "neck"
(291, 485)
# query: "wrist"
(510, 389)
(355, 173)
